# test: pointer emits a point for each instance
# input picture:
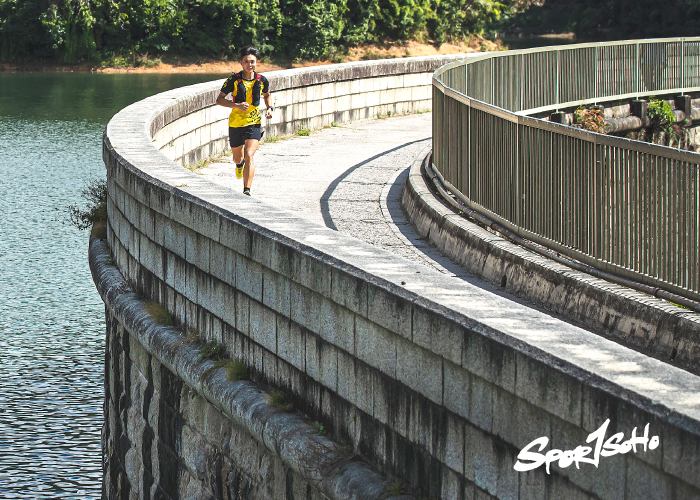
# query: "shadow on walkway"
(325, 209)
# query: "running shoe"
(246, 191)
(239, 169)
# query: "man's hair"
(248, 51)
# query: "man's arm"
(222, 101)
(268, 113)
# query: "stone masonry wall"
(163, 440)
(428, 379)
(309, 98)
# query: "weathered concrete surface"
(178, 428)
(304, 98)
(345, 178)
(310, 175)
(435, 380)
(350, 178)
(133, 471)
(650, 325)
(342, 177)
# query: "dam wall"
(303, 98)
(399, 381)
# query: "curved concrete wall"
(645, 323)
(427, 378)
(304, 98)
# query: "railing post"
(522, 82)
(466, 79)
(636, 86)
(518, 201)
(491, 98)
(556, 84)
(683, 64)
(595, 73)
(468, 183)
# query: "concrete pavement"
(350, 179)
(347, 178)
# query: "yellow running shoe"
(239, 169)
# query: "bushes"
(589, 118)
(626, 19)
(310, 28)
(96, 30)
(22, 33)
(95, 193)
(599, 20)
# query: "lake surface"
(51, 317)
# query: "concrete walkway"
(348, 178)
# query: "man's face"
(249, 62)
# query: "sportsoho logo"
(528, 460)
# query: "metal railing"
(624, 207)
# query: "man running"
(244, 131)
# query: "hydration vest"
(240, 89)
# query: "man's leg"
(251, 146)
(237, 154)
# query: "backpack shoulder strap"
(240, 88)
(256, 89)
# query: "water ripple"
(51, 317)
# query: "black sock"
(240, 165)
(246, 190)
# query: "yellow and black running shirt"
(249, 91)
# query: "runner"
(244, 130)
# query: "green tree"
(69, 27)
(219, 28)
(627, 19)
(599, 20)
(310, 27)
(74, 30)
(142, 25)
(22, 34)
(459, 18)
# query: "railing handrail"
(628, 180)
(560, 48)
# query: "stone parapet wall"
(429, 379)
(307, 98)
(645, 323)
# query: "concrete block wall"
(429, 379)
(163, 440)
(310, 98)
(640, 321)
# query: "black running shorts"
(237, 136)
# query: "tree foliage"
(600, 20)
(622, 19)
(91, 30)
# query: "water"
(51, 317)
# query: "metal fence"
(621, 206)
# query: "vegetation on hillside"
(104, 30)
(599, 20)
(115, 31)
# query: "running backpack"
(240, 92)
